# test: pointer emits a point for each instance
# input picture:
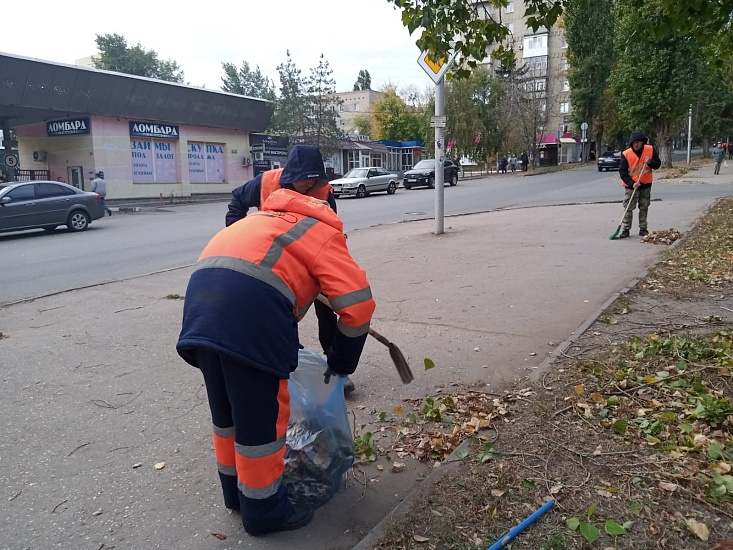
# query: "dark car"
(609, 161)
(46, 205)
(423, 173)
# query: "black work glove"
(327, 375)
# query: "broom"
(400, 363)
(631, 200)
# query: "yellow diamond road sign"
(436, 69)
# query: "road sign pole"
(439, 153)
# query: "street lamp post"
(689, 135)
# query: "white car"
(364, 181)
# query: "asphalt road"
(35, 263)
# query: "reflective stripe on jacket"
(256, 279)
(637, 164)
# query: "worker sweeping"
(253, 282)
(637, 163)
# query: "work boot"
(301, 516)
(349, 386)
(624, 234)
(643, 232)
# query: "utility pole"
(439, 152)
(689, 135)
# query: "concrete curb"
(399, 512)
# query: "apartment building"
(542, 55)
(358, 102)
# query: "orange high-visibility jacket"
(638, 163)
(258, 277)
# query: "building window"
(205, 162)
(153, 160)
(510, 26)
(565, 107)
(353, 159)
(564, 43)
(565, 64)
(509, 7)
(565, 86)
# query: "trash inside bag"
(320, 446)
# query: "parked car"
(423, 173)
(609, 160)
(46, 205)
(364, 181)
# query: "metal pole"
(689, 136)
(439, 148)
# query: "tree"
(589, 34)
(246, 81)
(393, 120)
(363, 124)
(474, 120)
(323, 131)
(475, 23)
(655, 79)
(292, 108)
(116, 55)
(363, 82)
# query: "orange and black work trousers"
(250, 410)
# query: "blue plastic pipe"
(514, 531)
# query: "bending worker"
(253, 282)
(254, 193)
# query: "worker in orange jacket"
(252, 284)
(254, 193)
(635, 170)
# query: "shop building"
(149, 137)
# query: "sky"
(199, 36)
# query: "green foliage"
(323, 131)
(589, 34)
(364, 446)
(116, 55)
(393, 120)
(475, 124)
(291, 111)
(363, 124)
(247, 81)
(469, 27)
(363, 81)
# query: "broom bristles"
(400, 363)
(615, 233)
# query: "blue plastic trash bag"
(320, 446)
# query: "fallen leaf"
(137, 464)
(159, 465)
(667, 486)
(398, 410)
(380, 467)
(597, 397)
(97, 513)
(698, 528)
(420, 538)
(604, 493)
(580, 389)
(398, 467)
(497, 492)
(220, 536)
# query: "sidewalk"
(94, 394)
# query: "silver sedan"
(364, 181)
(46, 205)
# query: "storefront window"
(153, 160)
(205, 162)
(353, 158)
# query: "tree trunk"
(706, 147)
(664, 143)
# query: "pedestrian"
(525, 161)
(513, 162)
(637, 163)
(252, 194)
(99, 186)
(503, 163)
(253, 282)
(718, 157)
